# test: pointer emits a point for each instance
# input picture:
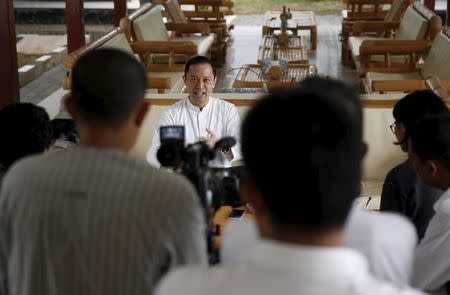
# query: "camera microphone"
(225, 143)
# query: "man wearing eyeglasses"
(403, 191)
(204, 117)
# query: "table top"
(251, 75)
(294, 55)
(294, 41)
(300, 19)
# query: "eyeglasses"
(393, 127)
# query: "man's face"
(200, 82)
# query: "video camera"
(215, 186)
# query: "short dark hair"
(25, 130)
(64, 128)
(416, 106)
(107, 85)
(312, 184)
(196, 60)
(430, 139)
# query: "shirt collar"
(297, 257)
(439, 203)
(194, 108)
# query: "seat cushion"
(119, 41)
(203, 42)
(374, 76)
(150, 26)
(355, 42)
(412, 27)
(436, 63)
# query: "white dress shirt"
(432, 264)
(218, 115)
(387, 240)
(278, 268)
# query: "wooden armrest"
(373, 26)
(189, 28)
(181, 47)
(205, 15)
(394, 47)
(349, 19)
(158, 82)
(398, 85)
(203, 2)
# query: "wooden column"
(120, 10)
(75, 24)
(9, 81)
(430, 4)
(448, 14)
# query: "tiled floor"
(242, 49)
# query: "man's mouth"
(199, 93)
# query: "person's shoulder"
(392, 226)
(192, 280)
(402, 171)
(223, 103)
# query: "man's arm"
(165, 120)
(431, 266)
(233, 128)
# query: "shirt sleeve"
(391, 197)
(233, 128)
(431, 266)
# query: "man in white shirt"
(300, 215)
(387, 240)
(204, 117)
(430, 154)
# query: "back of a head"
(311, 184)
(416, 106)
(430, 139)
(25, 130)
(107, 86)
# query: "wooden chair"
(162, 82)
(215, 21)
(149, 37)
(367, 9)
(418, 23)
(435, 64)
(394, 15)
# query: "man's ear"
(141, 113)
(431, 167)
(68, 105)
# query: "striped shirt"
(89, 221)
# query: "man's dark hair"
(430, 139)
(309, 170)
(416, 106)
(107, 86)
(64, 129)
(196, 60)
(25, 130)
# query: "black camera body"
(215, 186)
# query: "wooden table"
(294, 41)
(251, 76)
(294, 55)
(221, 219)
(301, 20)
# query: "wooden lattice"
(294, 55)
(251, 76)
(294, 41)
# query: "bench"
(160, 82)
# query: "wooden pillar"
(75, 24)
(120, 10)
(9, 81)
(448, 14)
(430, 4)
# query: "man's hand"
(211, 139)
